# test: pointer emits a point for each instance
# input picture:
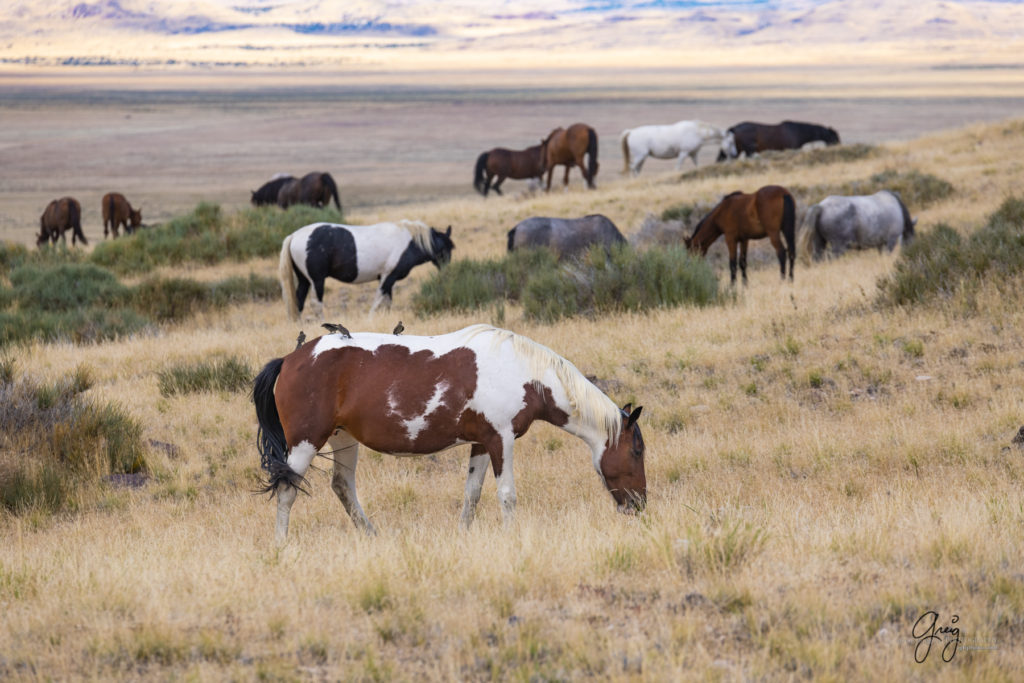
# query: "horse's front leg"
(345, 453)
(500, 450)
(743, 261)
(730, 242)
(478, 461)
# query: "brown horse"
(504, 163)
(316, 189)
(60, 215)
(742, 217)
(117, 212)
(567, 147)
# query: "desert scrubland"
(823, 469)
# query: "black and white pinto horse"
(566, 236)
(355, 254)
(856, 222)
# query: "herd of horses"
(415, 395)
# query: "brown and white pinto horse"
(408, 395)
(567, 147)
(742, 217)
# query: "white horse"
(678, 140)
(356, 253)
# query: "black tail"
(789, 228)
(511, 238)
(75, 216)
(479, 177)
(328, 181)
(592, 155)
(270, 441)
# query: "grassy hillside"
(825, 463)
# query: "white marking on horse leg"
(343, 480)
(506, 482)
(301, 456)
(474, 484)
(285, 497)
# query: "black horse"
(267, 194)
(749, 137)
(316, 189)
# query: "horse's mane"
(420, 234)
(588, 402)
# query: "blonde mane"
(588, 402)
(420, 234)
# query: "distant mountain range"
(276, 33)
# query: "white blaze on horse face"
(415, 425)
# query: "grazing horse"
(676, 141)
(316, 189)
(567, 147)
(742, 217)
(413, 395)
(117, 212)
(267, 194)
(356, 253)
(565, 235)
(59, 216)
(749, 137)
(857, 222)
(504, 163)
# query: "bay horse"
(504, 163)
(750, 137)
(856, 222)
(568, 147)
(118, 212)
(409, 395)
(566, 236)
(355, 254)
(675, 141)
(742, 217)
(267, 194)
(315, 189)
(59, 216)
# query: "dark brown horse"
(117, 212)
(742, 217)
(61, 215)
(267, 194)
(316, 189)
(567, 147)
(750, 137)
(504, 163)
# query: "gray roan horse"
(565, 236)
(857, 222)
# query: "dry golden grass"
(821, 473)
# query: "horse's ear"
(448, 232)
(634, 416)
(628, 407)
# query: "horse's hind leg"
(478, 461)
(299, 458)
(743, 260)
(781, 251)
(345, 453)
(497, 186)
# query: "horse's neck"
(590, 435)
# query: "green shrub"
(620, 279)
(65, 287)
(54, 442)
(226, 374)
(207, 236)
(937, 264)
